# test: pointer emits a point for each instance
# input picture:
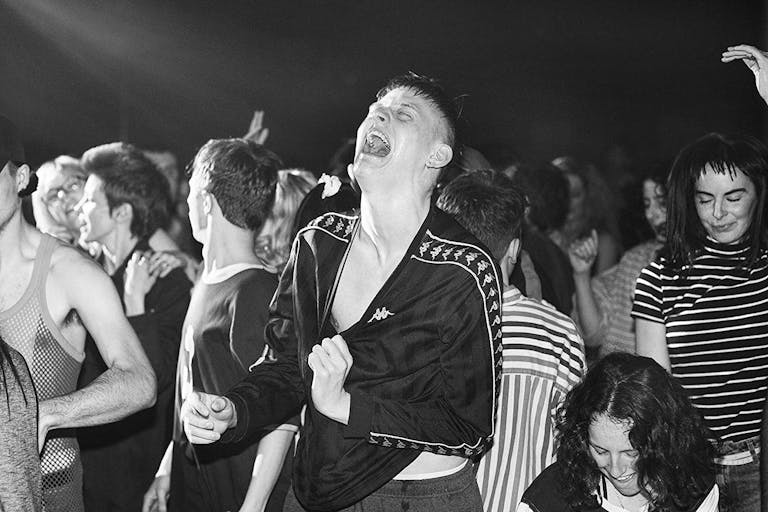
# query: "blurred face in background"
(655, 208)
(577, 194)
(61, 187)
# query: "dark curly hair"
(675, 458)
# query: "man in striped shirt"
(543, 354)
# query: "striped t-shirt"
(542, 359)
(716, 318)
(614, 292)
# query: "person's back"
(225, 320)
(542, 354)
(543, 358)
(20, 480)
(232, 190)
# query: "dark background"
(543, 77)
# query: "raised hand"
(205, 417)
(757, 62)
(330, 362)
(256, 131)
(582, 253)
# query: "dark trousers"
(457, 493)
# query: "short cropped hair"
(242, 176)
(131, 178)
(432, 91)
(488, 205)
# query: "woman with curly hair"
(629, 440)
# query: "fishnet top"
(54, 364)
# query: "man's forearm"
(114, 395)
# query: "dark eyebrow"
(742, 189)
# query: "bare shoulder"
(66, 258)
(71, 266)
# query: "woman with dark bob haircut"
(629, 440)
(701, 308)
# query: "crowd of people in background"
(421, 327)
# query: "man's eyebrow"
(408, 105)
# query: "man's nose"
(380, 115)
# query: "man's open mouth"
(376, 143)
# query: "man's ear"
(123, 213)
(513, 250)
(440, 157)
(22, 177)
(208, 201)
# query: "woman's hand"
(582, 253)
(139, 279)
(757, 62)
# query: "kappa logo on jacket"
(381, 314)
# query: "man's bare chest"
(14, 283)
(359, 283)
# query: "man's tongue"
(375, 146)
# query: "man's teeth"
(372, 135)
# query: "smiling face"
(402, 136)
(725, 203)
(655, 208)
(614, 455)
